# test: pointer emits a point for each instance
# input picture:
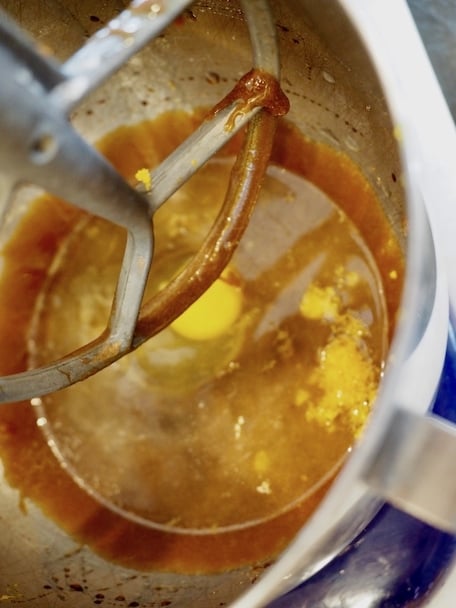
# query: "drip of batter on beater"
(256, 89)
(202, 451)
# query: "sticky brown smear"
(29, 464)
(254, 89)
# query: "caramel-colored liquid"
(224, 447)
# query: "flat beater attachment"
(39, 146)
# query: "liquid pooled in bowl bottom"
(210, 445)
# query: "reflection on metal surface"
(414, 468)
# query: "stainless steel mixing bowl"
(336, 98)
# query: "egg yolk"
(214, 312)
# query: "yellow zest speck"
(238, 427)
(393, 275)
(397, 132)
(261, 462)
(319, 303)
(347, 379)
(143, 176)
(264, 487)
(301, 397)
(346, 278)
(351, 278)
(352, 326)
(214, 313)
